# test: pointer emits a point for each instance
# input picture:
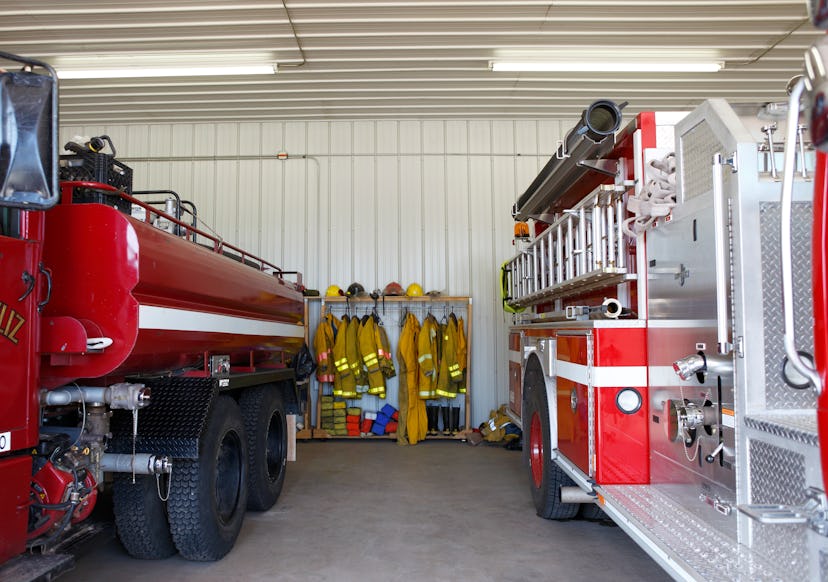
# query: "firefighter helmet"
(333, 291)
(355, 290)
(393, 288)
(414, 290)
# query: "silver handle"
(722, 276)
(786, 201)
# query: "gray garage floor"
(371, 511)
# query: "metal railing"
(187, 231)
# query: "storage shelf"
(311, 303)
(319, 433)
(392, 299)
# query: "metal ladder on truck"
(582, 248)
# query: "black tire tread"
(192, 531)
(140, 517)
(547, 498)
(262, 494)
(554, 508)
(592, 512)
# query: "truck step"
(799, 426)
(685, 546)
(36, 567)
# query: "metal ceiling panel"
(402, 59)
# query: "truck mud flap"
(173, 422)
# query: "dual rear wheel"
(241, 465)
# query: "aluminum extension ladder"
(583, 248)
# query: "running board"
(686, 547)
(36, 567)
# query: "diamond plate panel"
(777, 476)
(172, 423)
(710, 554)
(800, 427)
(779, 395)
(697, 147)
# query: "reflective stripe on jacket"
(344, 381)
(353, 356)
(368, 352)
(416, 421)
(450, 373)
(427, 358)
(323, 343)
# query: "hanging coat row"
(434, 359)
(354, 354)
(441, 351)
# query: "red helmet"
(393, 288)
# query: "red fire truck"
(152, 358)
(668, 349)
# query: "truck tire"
(208, 495)
(592, 512)
(141, 517)
(263, 411)
(545, 477)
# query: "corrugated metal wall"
(367, 201)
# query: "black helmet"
(355, 290)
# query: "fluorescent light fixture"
(195, 71)
(607, 66)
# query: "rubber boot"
(455, 420)
(445, 412)
(431, 415)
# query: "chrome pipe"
(721, 256)
(576, 495)
(139, 464)
(786, 201)
(122, 396)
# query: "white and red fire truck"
(152, 358)
(669, 347)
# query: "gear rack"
(389, 308)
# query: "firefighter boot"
(431, 416)
(455, 420)
(445, 412)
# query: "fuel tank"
(128, 298)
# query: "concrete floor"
(373, 511)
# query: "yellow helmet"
(333, 291)
(414, 290)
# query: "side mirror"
(28, 135)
